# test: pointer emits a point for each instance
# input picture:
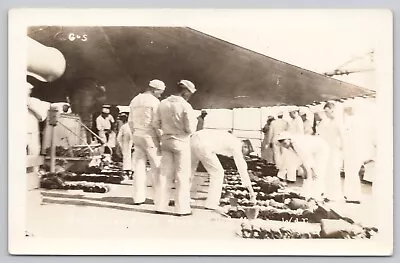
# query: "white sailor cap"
(283, 136)
(188, 84)
(303, 110)
(280, 112)
(157, 84)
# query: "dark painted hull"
(124, 59)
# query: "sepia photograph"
(200, 132)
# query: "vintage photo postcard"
(200, 132)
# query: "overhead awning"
(123, 108)
(125, 59)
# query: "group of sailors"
(164, 134)
(316, 142)
(168, 135)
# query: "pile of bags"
(282, 213)
(254, 164)
(278, 230)
(87, 187)
(101, 170)
(259, 167)
(267, 184)
(329, 229)
(345, 230)
(51, 181)
(95, 178)
(311, 213)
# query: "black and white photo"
(201, 132)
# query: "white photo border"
(21, 19)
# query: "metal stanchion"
(53, 119)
